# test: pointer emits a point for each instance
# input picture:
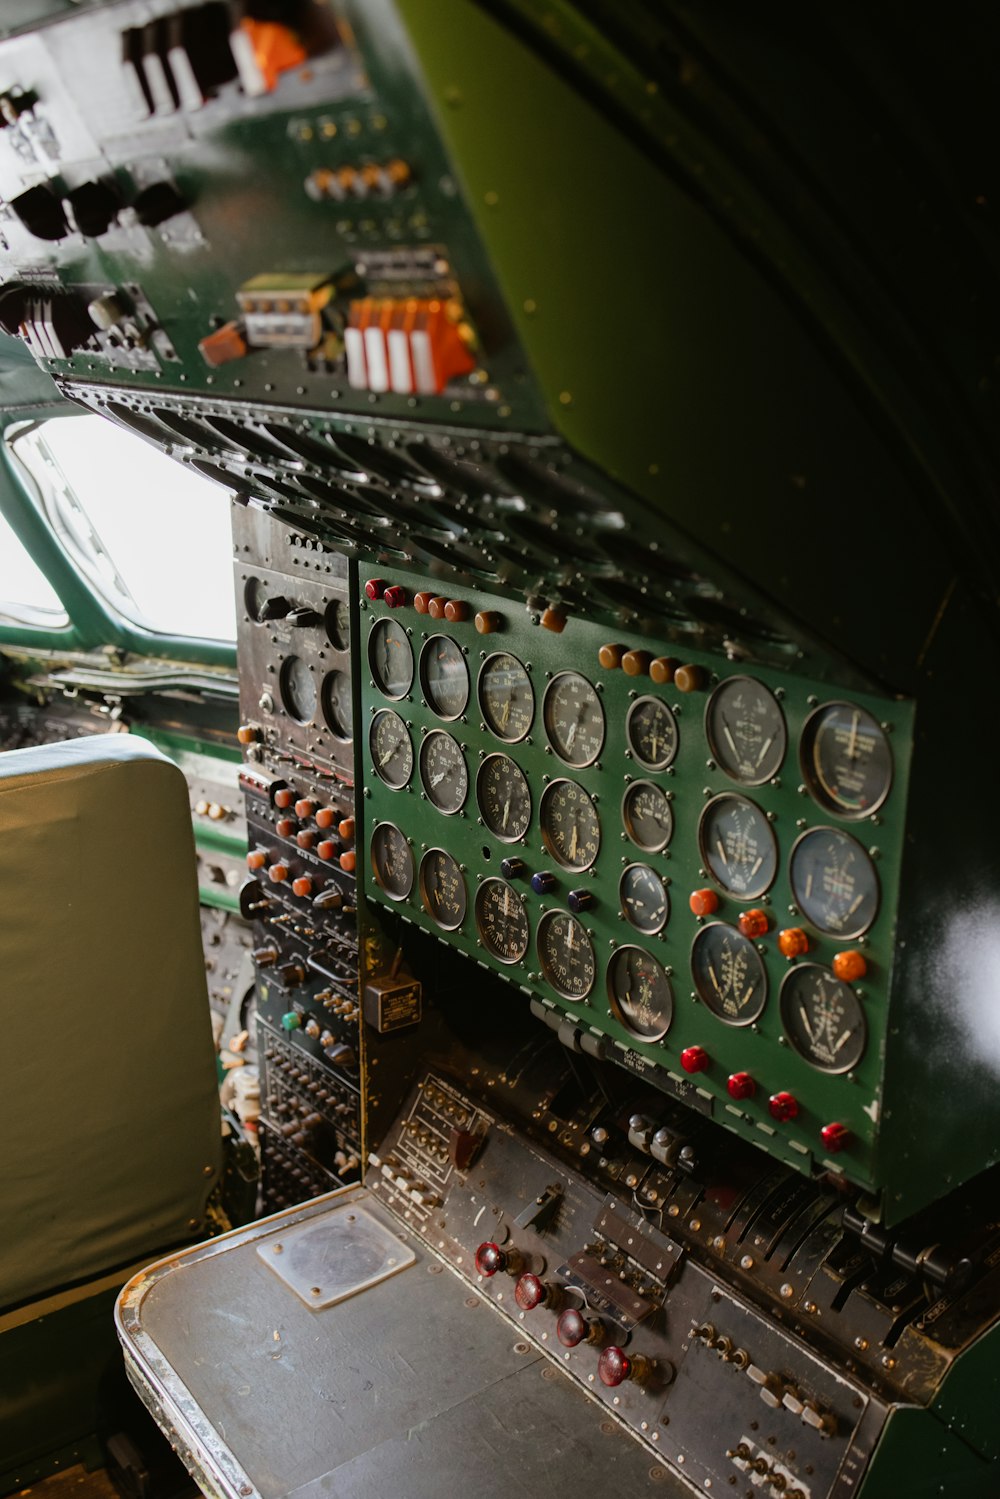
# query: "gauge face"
(728, 974)
(336, 699)
(390, 658)
(506, 697)
(337, 621)
(737, 846)
(502, 921)
(392, 861)
(746, 731)
(834, 883)
(574, 718)
(644, 899)
(823, 1018)
(503, 797)
(443, 773)
(646, 814)
(442, 889)
(566, 954)
(651, 731)
(444, 677)
(846, 760)
(255, 594)
(297, 685)
(392, 752)
(640, 994)
(571, 828)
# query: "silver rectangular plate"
(348, 1250)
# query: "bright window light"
(152, 536)
(26, 595)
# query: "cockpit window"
(152, 537)
(26, 595)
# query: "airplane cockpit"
(498, 588)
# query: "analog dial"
(444, 676)
(646, 814)
(834, 882)
(728, 974)
(651, 731)
(823, 1018)
(574, 718)
(443, 773)
(337, 619)
(644, 900)
(336, 700)
(566, 954)
(392, 861)
(506, 697)
(846, 760)
(503, 797)
(502, 921)
(442, 889)
(297, 685)
(737, 846)
(390, 658)
(746, 731)
(392, 752)
(640, 994)
(571, 828)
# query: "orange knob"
(305, 807)
(303, 885)
(436, 607)
(284, 797)
(793, 942)
(278, 873)
(349, 861)
(636, 663)
(554, 620)
(850, 966)
(326, 849)
(421, 601)
(256, 859)
(324, 817)
(285, 827)
(663, 670)
(488, 622)
(754, 923)
(456, 610)
(690, 678)
(306, 838)
(247, 733)
(346, 828)
(703, 902)
(610, 656)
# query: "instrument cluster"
(691, 869)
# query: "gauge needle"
(805, 1022)
(852, 742)
(856, 904)
(506, 901)
(756, 866)
(715, 981)
(732, 741)
(764, 750)
(506, 813)
(436, 780)
(809, 886)
(654, 740)
(843, 1040)
(722, 852)
(506, 713)
(570, 937)
(571, 735)
(388, 755)
(573, 843)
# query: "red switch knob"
(740, 1085)
(285, 827)
(754, 923)
(277, 873)
(256, 858)
(326, 849)
(573, 1328)
(530, 1292)
(614, 1366)
(694, 1059)
(394, 597)
(302, 885)
(783, 1106)
(490, 1258)
(325, 817)
(850, 966)
(306, 838)
(283, 797)
(375, 588)
(703, 902)
(305, 807)
(793, 942)
(835, 1137)
(346, 828)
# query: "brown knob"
(610, 656)
(456, 610)
(420, 602)
(324, 817)
(488, 622)
(636, 663)
(346, 828)
(554, 620)
(663, 669)
(247, 733)
(436, 607)
(690, 678)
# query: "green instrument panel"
(693, 863)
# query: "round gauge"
(502, 921)
(728, 974)
(255, 596)
(506, 697)
(646, 814)
(392, 862)
(571, 828)
(737, 846)
(297, 684)
(746, 731)
(651, 731)
(390, 658)
(846, 760)
(503, 797)
(640, 994)
(644, 899)
(392, 752)
(444, 676)
(574, 718)
(566, 954)
(337, 620)
(442, 889)
(834, 883)
(823, 1018)
(336, 700)
(443, 773)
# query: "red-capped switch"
(754, 923)
(530, 1292)
(302, 885)
(793, 942)
(375, 588)
(325, 817)
(614, 1366)
(703, 902)
(783, 1106)
(284, 797)
(256, 858)
(456, 611)
(278, 873)
(740, 1085)
(436, 606)
(326, 849)
(305, 807)
(348, 861)
(306, 838)
(695, 1059)
(346, 828)
(285, 827)
(247, 733)
(420, 602)
(850, 966)
(835, 1137)
(394, 597)
(574, 1328)
(490, 1259)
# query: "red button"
(324, 817)
(694, 1059)
(306, 838)
(614, 1366)
(277, 873)
(375, 588)
(572, 1327)
(850, 966)
(305, 807)
(529, 1292)
(489, 1259)
(326, 849)
(835, 1137)
(394, 597)
(783, 1106)
(256, 859)
(303, 885)
(284, 797)
(703, 902)
(349, 861)
(741, 1085)
(346, 828)
(285, 827)
(793, 942)
(754, 923)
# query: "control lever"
(932, 1261)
